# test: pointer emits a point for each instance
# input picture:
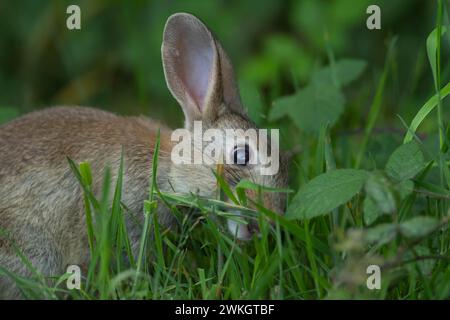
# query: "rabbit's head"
(200, 77)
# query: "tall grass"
(201, 260)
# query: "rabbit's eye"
(241, 155)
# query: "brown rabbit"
(41, 204)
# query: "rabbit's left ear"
(197, 70)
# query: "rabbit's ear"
(230, 91)
(197, 71)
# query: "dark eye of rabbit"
(241, 155)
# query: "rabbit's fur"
(41, 202)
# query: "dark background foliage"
(114, 61)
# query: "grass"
(200, 260)
(399, 224)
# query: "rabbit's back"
(41, 204)
(34, 150)
(46, 138)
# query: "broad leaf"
(344, 71)
(371, 211)
(283, 106)
(321, 102)
(405, 162)
(381, 234)
(326, 192)
(251, 99)
(378, 189)
(311, 107)
(404, 188)
(419, 226)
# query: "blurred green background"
(114, 61)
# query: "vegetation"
(371, 185)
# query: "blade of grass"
(376, 103)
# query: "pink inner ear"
(196, 64)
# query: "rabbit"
(41, 202)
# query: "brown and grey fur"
(41, 205)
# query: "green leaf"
(377, 188)
(419, 226)
(432, 48)
(282, 106)
(149, 206)
(426, 265)
(381, 234)
(433, 189)
(225, 187)
(404, 188)
(380, 197)
(321, 102)
(311, 107)
(423, 113)
(251, 99)
(85, 171)
(247, 184)
(371, 211)
(345, 71)
(405, 162)
(326, 192)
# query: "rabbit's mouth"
(241, 230)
